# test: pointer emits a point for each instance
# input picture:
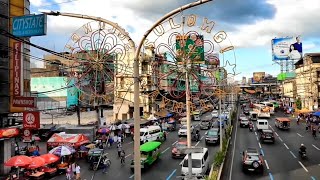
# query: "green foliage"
(218, 158)
(298, 104)
(214, 175)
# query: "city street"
(165, 168)
(281, 160)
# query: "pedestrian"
(119, 148)
(105, 165)
(127, 132)
(122, 157)
(120, 138)
(73, 168)
(78, 172)
(69, 172)
(115, 138)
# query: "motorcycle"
(250, 128)
(303, 154)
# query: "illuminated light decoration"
(194, 44)
(96, 52)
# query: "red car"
(176, 150)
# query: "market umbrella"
(90, 146)
(50, 158)
(104, 130)
(18, 161)
(124, 126)
(36, 162)
(62, 150)
(113, 127)
(316, 113)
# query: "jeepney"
(149, 154)
(282, 123)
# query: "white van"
(200, 163)
(150, 133)
(262, 124)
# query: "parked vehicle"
(282, 123)
(200, 164)
(150, 152)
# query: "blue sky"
(250, 24)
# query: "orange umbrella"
(36, 162)
(18, 161)
(50, 158)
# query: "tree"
(298, 104)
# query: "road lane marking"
(280, 139)
(316, 147)
(131, 176)
(259, 145)
(201, 137)
(127, 155)
(165, 150)
(271, 128)
(169, 177)
(285, 145)
(174, 143)
(270, 176)
(276, 134)
(267, 165)
(197, 143)
(257, 138)
(262, 152)
(256, 133)
(299, 135)
(303, 166)
(313, 178)
(293, 154)
(234, 147)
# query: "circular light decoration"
(94, 54)
(193, 44)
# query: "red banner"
(31, 120)
(9, 132)
(29, 102)
(17, 69)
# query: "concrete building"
(289, 91)
(308, 80)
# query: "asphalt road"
(282, 160)
(166, 168)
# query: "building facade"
(308, 80)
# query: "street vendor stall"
(63, 139)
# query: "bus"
(270, 105)
(262, 110)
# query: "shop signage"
(29, 102)
(27, 135)
(9, 132)
(31, 120)
(29, 25)
(17, 69)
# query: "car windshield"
(212, 133)
(196, 163)
(181, 145)
(184, 127)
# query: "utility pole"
(220, 121)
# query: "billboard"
(17, 69)
(258, 77)
(288, 48)
(31, 120)
(29, 25)
(192, 46)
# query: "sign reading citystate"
(31, 120)
(29, 25)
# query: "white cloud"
(37, 3)
(292, 18)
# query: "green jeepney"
(149, 154)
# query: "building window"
(318, 74)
